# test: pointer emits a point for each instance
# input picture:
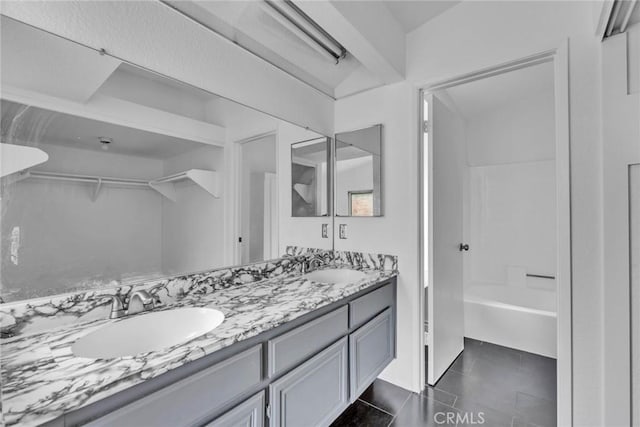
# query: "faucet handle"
(117, 306)
(147, 297)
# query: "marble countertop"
(42, 379)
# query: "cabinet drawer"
(193, 399)
(249, 413)
(367, 306)
(293, 347)
(314, 393)
(371, 349)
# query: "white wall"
(395, 106)
(510, 196)
(522, 131)
(66, 240)
(193, 226)
(490, 33)
(512, 223)
(295, 231)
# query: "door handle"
(463, 247)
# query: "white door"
(256, 166)
(445, 293)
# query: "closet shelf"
(15, 158)
(206, 179)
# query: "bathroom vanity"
(291, 351)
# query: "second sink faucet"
(146, 298)
(311, 263)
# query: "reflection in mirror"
(258, 199)
(310, 171)
(111, 204)
(124, 175)
(359, 172)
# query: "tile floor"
(508, 387)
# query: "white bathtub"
(516, 317)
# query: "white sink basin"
(147, 332)
(335, 275)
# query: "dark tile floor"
(487, 385)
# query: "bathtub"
(518, 317)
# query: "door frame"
(559, 56)
(236, 221)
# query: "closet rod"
(84, 178)
(541, 276)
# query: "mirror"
(127, 176)
(310, 172)
(358, 176)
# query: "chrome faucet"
(117, 306)
(311, 263)
(147, 300)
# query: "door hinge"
(425, 126)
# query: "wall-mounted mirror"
(358, 176)
(310, 178)
(138, 176)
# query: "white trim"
(423, 337)
(560, 58)
(271, 226)
(563, 221)
(505, 67)
(236, 222)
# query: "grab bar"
(541, 276)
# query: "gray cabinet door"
(314, 393)
(290, 349)
(371, 348)
(249, 413)
(193, 400)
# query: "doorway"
(257, 217)
(495, 238)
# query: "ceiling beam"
(367, 30)
(122, 113)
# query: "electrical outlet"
(342, 231)
(325, 231)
